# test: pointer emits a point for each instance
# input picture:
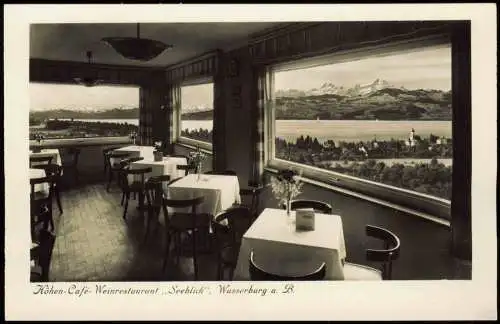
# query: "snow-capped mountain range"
(330, 88)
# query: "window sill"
(94, 141)
(193, 147)
(193, 144)
(425, 206)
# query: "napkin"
(304, 219)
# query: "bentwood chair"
(105, 153)
(40, 160)
(41, 205)
(229, 228)
(70, 163)
(253, 191)
(115, 165)
(318, 206)
(40, 257)
(178, 223)
(258, 273)
(136, 186)
(155, 188)
(386, 256)
(54, 171)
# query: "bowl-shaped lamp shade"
(88, 81)
(140, 49)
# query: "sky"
(77, 97)
(200, 95)
(57, 96)
(425, 69)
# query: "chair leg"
(219, 267)
(149, 217)
(58, 199)
(126, 205)
(167, 250)
(195, 259)
(109, 180)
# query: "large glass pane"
(197, 111)
(386, 118)
(73, 111)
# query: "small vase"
(198, 172)
(288, 208)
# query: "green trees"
(432, 178)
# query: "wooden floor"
(94, 243)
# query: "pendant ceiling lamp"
(136, 48)
(88, 79)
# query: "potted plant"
(157, 152)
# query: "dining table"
(221, 192)
(167, 166)
(145, 152)
(39, 187)
(56, 156)
(288, 251)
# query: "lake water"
(337, 130)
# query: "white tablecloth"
(136, 151)
(56, 157)
(287, 251)
(220, 191)
(41, 187)
(168, 166)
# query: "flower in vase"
(196, 158)
(39, 137)
(286, 185)
(157, 145)
(133, 136)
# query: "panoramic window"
(75, 111)
(196, 116)
(386, 117)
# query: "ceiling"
(70, 41)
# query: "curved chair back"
(39, 160)
(117, 156)
(154, 189)
(193, 203)
(238, 220)
(257, 273)
(317, 205)
(187, 168)
(136, 172)
(225, 172)
(392, 245)
(51, 170)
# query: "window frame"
(420, 202)
(56, 142)
(178, 129)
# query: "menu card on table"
(304, 219)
